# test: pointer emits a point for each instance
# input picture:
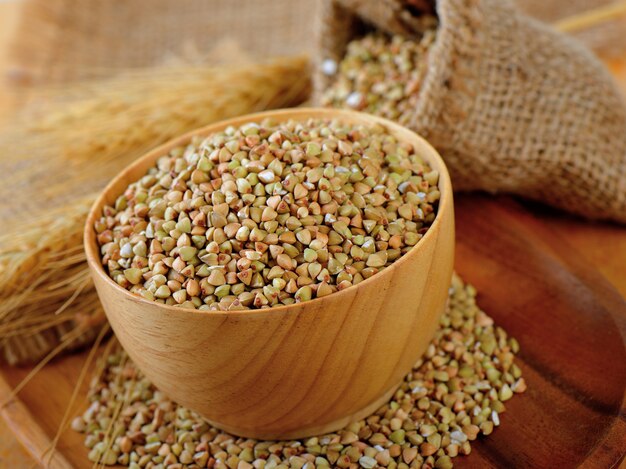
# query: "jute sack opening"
(512, 105)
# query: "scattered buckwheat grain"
(453, 394)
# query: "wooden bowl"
(289, 371)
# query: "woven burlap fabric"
(512, 105)
(63, 40)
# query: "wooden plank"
(45, 398)
(35, 440)
(568, 319)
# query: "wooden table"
(11, 452)
(602, 245)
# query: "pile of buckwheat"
(379, 74)
(268, 214)
(453, 394)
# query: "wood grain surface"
(572, 325)
(597, 249)
(344, 354)
(568, 319)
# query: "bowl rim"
(433, 157)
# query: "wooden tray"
(570, 322)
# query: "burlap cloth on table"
(512, 105)
(63, 40)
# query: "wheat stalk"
(590, 18)
(97, 128)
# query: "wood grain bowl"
(289, 371)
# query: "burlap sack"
(512, 105)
